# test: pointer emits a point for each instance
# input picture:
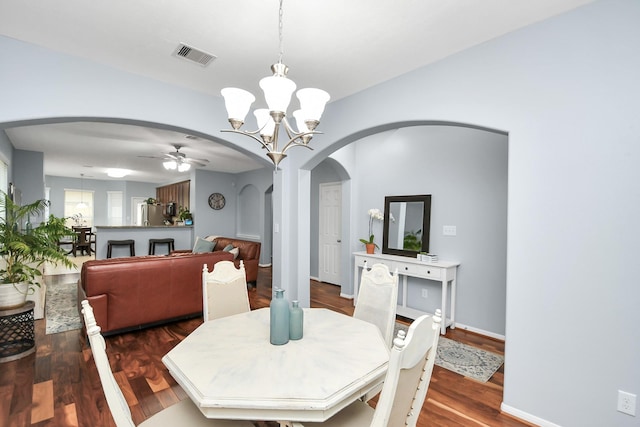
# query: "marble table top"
(230, 369)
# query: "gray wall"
(130, 189)
(566, 92)
(465, 171)
(28, 175)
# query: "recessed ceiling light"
(117, 173)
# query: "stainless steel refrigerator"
(152, 215)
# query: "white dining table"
(230, 370)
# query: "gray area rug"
(61, 311)
(472, 362)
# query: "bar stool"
(129, 242)
(154, 242)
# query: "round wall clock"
(216, 201)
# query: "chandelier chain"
(280, 38)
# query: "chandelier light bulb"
(237, 101)
(183, 167)
(277, 92)
(265, 122)
(299, 117)
(170, 165)
(312, 102)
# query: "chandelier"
(277, 92)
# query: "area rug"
(61, 311)
(472, 362)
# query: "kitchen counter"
(182, 236)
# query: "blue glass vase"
(279, 308)
(296, 320)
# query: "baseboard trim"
(517, 413)
(264, 265)
(480, 331)
(346, 296)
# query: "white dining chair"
(183, 413)
(224, 290)
(405, 385)
(378, 299)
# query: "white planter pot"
(13, 295)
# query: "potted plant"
(369, 244)
(185, 217)
(23, 252)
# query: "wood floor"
(58, 386)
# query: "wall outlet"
(449, 230)
(425, 293)
(626, 403)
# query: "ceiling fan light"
(183, 167)
(170, 165)
(312, 102)
(277, 92)
(237, 101)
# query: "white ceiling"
(340, 46)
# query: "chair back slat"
(409, 373)
(224, 290)
(115, 399)
(378, 299)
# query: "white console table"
(441, 271)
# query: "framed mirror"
(407, 220)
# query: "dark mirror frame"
(426, 224)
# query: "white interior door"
(330, 231)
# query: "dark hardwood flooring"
(58, 386)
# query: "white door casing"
(330, 232)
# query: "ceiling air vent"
(194, 55)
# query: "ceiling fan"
(178, 160)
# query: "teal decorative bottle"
(279, 308)
(296, 319)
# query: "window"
(78, 205)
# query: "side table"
(17, 334)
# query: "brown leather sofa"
(249, 253)
(136, 292)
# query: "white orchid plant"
(374, 214)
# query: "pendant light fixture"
(82, 204)
(277, 92)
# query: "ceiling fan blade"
(151, 157)
(197, 162)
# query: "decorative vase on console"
(279, 326)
